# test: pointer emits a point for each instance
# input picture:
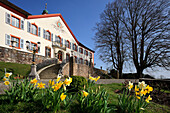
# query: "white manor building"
(47, 32)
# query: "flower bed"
(56, 98)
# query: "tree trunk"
(139, 73)
(120, 74)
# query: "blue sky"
(81, 16)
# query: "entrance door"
(60, 56)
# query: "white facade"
(40, 28)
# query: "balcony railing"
(58, 45)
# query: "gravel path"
(100, 81)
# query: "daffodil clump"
(93, 100)
(54, 95)
(142, 90)
(137, 102)
(93, 78)
(7, 78)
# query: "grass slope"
(16, 69)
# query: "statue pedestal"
(33, 73)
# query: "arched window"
(34, 29)
(48, 37)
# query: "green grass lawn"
(110, 88)
(17, 69)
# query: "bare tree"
(147, 28)
(109, 38)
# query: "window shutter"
(43, 33)
(39, 31)
(22, 24)
(22, 44)
(52, 37)
(73, 46)
(29, 27)
(70, 45)
(62, 41)
(7, 40)
(77, 48)
(66, 43)
(7, 18)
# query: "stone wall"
(78, 70)
(16, 56)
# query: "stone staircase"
(50, 72)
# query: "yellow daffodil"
(96, 79)
(6, 83)
(148, 99)
(136, 89)
(148, 89)
(68, 81)
(143, 92)
(41, 85)
(137, 93)
(85, 94)
(62, 96)
(58, 78)
(57, 86)
(8, 75)
(34, 81)
(51, 83)
(64, 87)
(142, 85)
(130, 85)
(4, 79)
(137, 97)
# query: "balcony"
(58, 45)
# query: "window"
(48, 52)
(67, 57)
(67, 44)
(58, 39)
(75, 57)
(75, 47)
(48, 35)
(34, 29)
(91, 55)
(81, 50)
(15, 22)
(81, 61)
(17, 40)
(84, 52)
(33, 44)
